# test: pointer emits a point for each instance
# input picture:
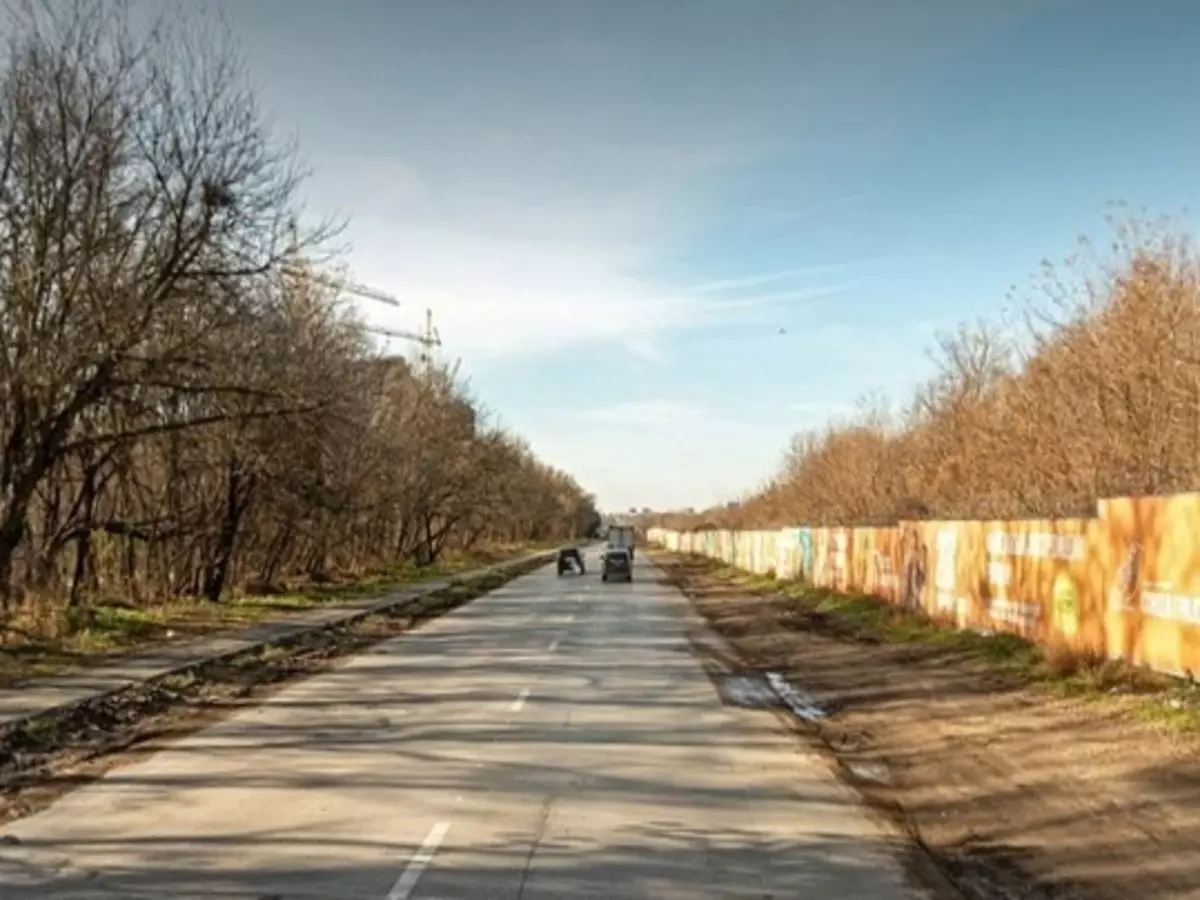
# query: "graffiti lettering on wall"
(1125, 583)
(1064, 600)
(804, 540)
(837, 559)
(945, 578)
(1025, 615)
(1036, 545)
(1002, 607)
(794, 554)
(914, 553)
(1019, 612)
(830, 558)
(884, 573)
(1122, 596)
(1165, 604)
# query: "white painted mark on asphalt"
(519, 703)
(408, 878)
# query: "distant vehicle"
(616, 564)
(570, 558)
(622, 537)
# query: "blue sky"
(614, 207)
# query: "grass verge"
(40, 639)
(1158, 699)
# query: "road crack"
(543, 821)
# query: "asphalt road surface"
(555, 739)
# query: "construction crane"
(428, 338)
(341, 285)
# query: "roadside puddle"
(798, 701)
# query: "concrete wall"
(1125, 583)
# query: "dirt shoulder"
(1021, 781)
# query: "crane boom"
(427, 339)
(393, 333)
(343, 284)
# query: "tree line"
(1089, 387)
(182, 409)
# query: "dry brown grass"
(46, 638)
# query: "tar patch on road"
(746, 691)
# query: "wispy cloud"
(774, 299)
(759, 278)
(528, 174)
(498, 297)
(533, 213)
(645, 348)
(520, 275)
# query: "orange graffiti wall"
(1151, 594)
(1125, 584)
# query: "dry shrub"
(36, 620)
(1064, 660)
(1091, 390)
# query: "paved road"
(556, 739)
(44, 694)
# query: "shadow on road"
(622, 776)
(657, 859)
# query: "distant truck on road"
(621, 536)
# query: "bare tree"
(139, 196)
(181, 413)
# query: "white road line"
(554, 644)
(519, 703)
(408, 878)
